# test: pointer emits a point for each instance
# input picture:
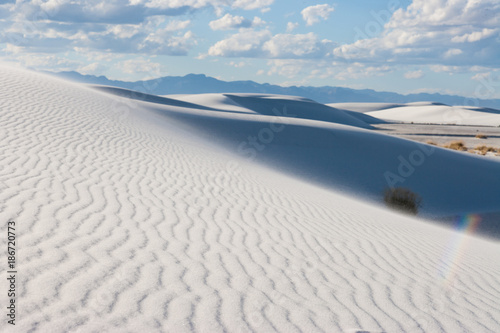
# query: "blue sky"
(404, 46)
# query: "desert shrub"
(430, 142)
(403, 199)
(481, 136)
(456, 145)
(484, 149)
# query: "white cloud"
(252, 4)
(144, 67)
(414, 74)
(474, 36)
(262, 44)
(297, 46)
(324, 69)
(157, 34)
(237, 64)
(448, 69)
(13, 49)
(481, 76)
(291, 26)
(490, 79)
(246, 43)
(42, 61)
(438, 32)
(314, 14)
(176, 25)
(452, 52)
(93, 68)
(287, 68)
(161, 42)
(229, 21)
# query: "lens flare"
(457, 246)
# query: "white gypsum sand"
(311, 141)
(430, 113)
(127, 221)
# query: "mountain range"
(199, 83)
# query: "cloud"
(41, 61)
(287, 46)
(474, 36)
(142, 66)
(452, 52)
(262, 44)
(156, 35)
(237, 64)
(290, 26)
(246, 43)
(93, 68)
(314, 14)
(229, 21)
(176, 25)
(481, 76)
(414, 74)
(324, 69)
(130, 26)
(452, 33)
(252, 4)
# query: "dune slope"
(439, 114)
(128, 222)
(332, 152)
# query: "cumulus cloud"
(156, 34)
(314, 14)
(246, 43)
(474, 36)
(452, 52)
(229, 21)
(297, 46)
(262, 44)
(119, 26)
(453, 33)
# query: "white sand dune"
(128, 221)
(320, 147)
(364, 106)
(433, 113)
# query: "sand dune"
(317, 147)
(128, 221)
(440, 114)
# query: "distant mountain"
(199, 83)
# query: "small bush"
(481, 136)
(430, 142)
(484, 149)
(456, 145)
(403, 199)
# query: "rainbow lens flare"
(456, 248)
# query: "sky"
(404, 46)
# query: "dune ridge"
(128, 222)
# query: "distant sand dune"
(440, 114)
(127, 221)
